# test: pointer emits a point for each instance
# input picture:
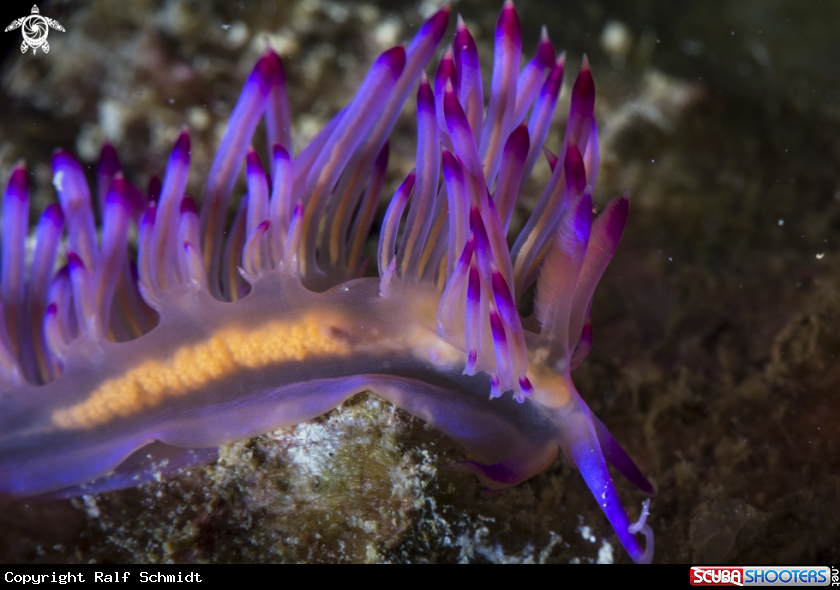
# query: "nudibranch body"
(111, 368)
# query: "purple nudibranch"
(112, 367)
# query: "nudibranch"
(114, 369)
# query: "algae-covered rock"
(341, 488)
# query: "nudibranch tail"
(112, 372)
(590, 446)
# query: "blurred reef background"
(717, 325)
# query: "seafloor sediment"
(717, 325)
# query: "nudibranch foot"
(151, 462)
(113, 370)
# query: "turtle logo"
(35, 31)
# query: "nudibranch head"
(111, 359)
